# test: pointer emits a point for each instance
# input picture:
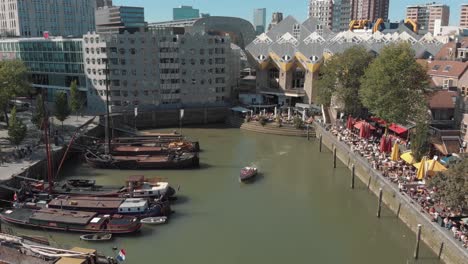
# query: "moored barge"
(176, 161)
(112, 205)
(72, 221)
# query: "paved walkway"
(12, 164)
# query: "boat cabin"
(133, 206)
(151, 189)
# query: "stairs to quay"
(269, 128)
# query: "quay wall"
(38, 170)
(162, 118)
(436, 237)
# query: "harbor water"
(299, 209)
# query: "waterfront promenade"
(15, 162)
(405, 208)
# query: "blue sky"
(160, 10)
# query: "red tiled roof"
(444, 53)
(442, 99)
(454, 69)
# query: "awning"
(240, 109)
(303, 106)
(359, 124)
(447, 146)
(397, 128)
(408, 157)
(378, 120)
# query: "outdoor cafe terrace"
(384, 155)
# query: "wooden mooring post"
(418, 239)
(440, 250)
(320, 144)
(379, 208)
(334, 157)
(353, 175)
(308, 136)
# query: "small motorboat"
(96, 237)
(247, 173)
(154, 220)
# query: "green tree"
(452, 186)
(16, 129)
(39, 114)
(62, 111)
(75, 98)
(13, 83)
(420, 133)
(393, 84)
(340, 77)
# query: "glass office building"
(185, 12)
(53, 63)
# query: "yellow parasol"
(435, 166)
(421, 168)
(395, 152)
(408, 157)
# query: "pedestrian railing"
(322, 129)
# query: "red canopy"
(383, 144)
(359, 124)
(350, 122)
(378, 120)
(389, 145)
(397, 129)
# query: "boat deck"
(19, 214)
(62, 216)
(137, 149)
(142, 158)
(86, 202)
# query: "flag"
(181, 113)
(15, 197)
(121, 256)
(136, 111)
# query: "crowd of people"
(405, 176)
(283, 117)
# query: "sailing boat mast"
(107, 148)
(50, 175)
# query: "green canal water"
(299, 210)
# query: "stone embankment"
(436, 237)
(35, 166)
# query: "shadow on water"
(180, 200)
(204, 166)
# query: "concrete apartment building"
(322, 10)
(464, 15)
(276, 18)
(342, 15)
(103, 3)
(160, 68)
(370, 9)
(28, 18)
(52, 63)
(430, 17)
(259, 20)
(185, 12)
(115, 19)
(337, 14)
